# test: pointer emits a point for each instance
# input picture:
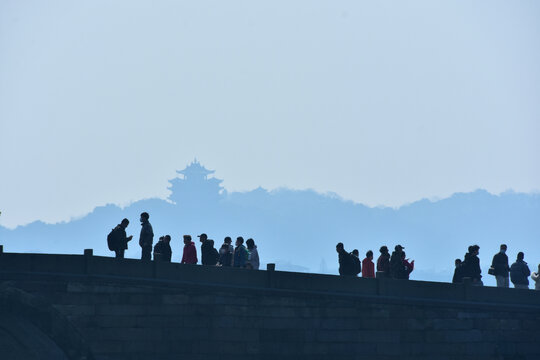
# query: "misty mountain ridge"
(298, 229)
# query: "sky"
(381, 102)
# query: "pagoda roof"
(195, 168)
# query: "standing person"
(368, 267)
(345, 261)
(519, 272)
(253, 257)
(356, 266)
(117, 239)
(206, 250)
(500, 267)
(190, 251)
(471, 266)
(157, 249)
(409, 266)
(458, 272)
(162, 250)
(146, 239)
(213, 256)
(536, 278)
(240, 253)
(383, 262)
(397, 269)
(225, 252)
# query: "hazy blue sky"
(381, 102)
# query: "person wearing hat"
(190, 251)
(206, 250)
(383, 263)
(397, 269)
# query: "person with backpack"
(190, 251)
(356, 265)
(368, 267)
(146, 238)
(117, 239)
(240, 254)
(397, 268)
(500, 267)
(225, 252)
(519, 273)
(253, 255)
(383, 263)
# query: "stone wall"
(133, 310)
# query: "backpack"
(112, 239)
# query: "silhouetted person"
(471, 266)
(253, 257)
(458, 272)
(536, 278)
(397, 269)
(117, 239)
(213, 256)
(409, 266)
(146, 239)
(501, 268)
(240, 254)
(355, 262)
(345, 261)
(190, 251)
(207, 255)
(383, 262)
(226, 252)
(162, 250)
(519, 273)
(368, 267)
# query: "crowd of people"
(240, 255)
(518, 273)
(395, 266)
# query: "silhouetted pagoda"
(195, 187)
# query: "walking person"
(536, 278)
(117, 239)
(240, 253)
(226, 252)
(146, 238)
(368, 267)
(189, 255)
(253, 255)
(519, 273)
(383, 263)
(500, 267)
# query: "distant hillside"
(299, 229)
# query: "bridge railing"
(99, 266)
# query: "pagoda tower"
(194, 186)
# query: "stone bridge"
(90, 307)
